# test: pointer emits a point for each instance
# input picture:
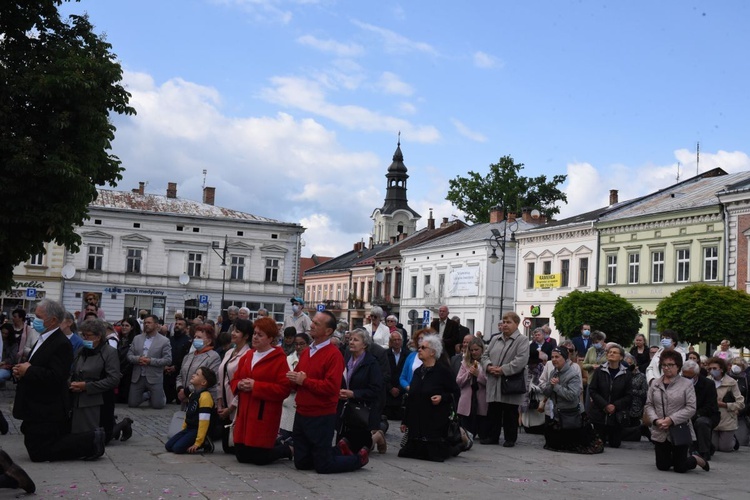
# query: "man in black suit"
(396, 357)
(583, 342)
(42, 398)
(463, 331)
(447, 330)
(707, 414)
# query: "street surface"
(141, 468)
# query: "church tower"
(395, 217)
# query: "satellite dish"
(68, 271)
(184, 279)
(380, 276)
(428, 289)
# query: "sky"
(293, 107)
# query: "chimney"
(209, 195)
(171, 190)
(511, 217)
(445, 222)
(430, 221)
(372, 242)
(401, 236)
(613, 196)
(392, 240)
(496, 214)
(141, 185)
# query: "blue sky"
(293, 106)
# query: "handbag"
(175, 425)
(356, 415)
(512, 384)
(568, 418)
(679, 434)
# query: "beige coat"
(676, 402)
(514, 354)
(728, 420)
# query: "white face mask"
(295, 308)
(736, 369)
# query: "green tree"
(704, 313)
(603, 310)
(476, 194)
(59, 82)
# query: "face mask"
(666, 342)
(586, 333)
(88, 344)
(198, 343)
(716, 374)
(598, 345)
(736, 369)
(38, 325)
(546, 336)
(295, 308)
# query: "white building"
(164, 254)
(456, 270)
(38, 278)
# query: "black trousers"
(52, 442)
(502, 416)
(261, 456)
(670, 456)
(612, 434)
(703, 429)
(312, 446)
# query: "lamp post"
(216, 248)
(498, 241)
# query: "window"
(634, 268)
(583, 271)
(710, 263)
(683, 265)
(547, 267)
(134, 261)
(413, 287)
(338, 291)
(194, 264)
(397, 285)
(272, 270)
(564, 272)
(237, 272)
(657, 267)
(37, 260)
(441, 285)
(427, 279)
(612, 269)
(529, 275)
(96, 256)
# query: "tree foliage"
(704, 313)
(59, 82)
(603, 310)
(476, 194)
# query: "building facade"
(38, 278)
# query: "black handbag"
(568, 418)
(512, 384)
(679, 434)
(356, 415)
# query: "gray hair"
(96, 326)
(247, 310)
(434, 342)
(567, 343)
(630, 359)
(376, 311)
(364, 335)
(233, 309)
(53, 309)
(391, 317)
(539, 329)
(263, 310)
(615, 345)
(691, 366)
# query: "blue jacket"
(407, 372)
(77, 342)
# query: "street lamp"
(499, 241)
(215, 247)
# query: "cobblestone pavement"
(141, 468)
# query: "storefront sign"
(136, 291)
(464, 282)
(547, 280)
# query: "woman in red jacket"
(262, 385)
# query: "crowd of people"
(317, 393)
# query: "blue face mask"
(598, 345)
(666, 342)
(586, 333)
(716, 374)
(198, 343)
(88, 344)
(38, 325)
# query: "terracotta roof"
(424, 234)
(159, 204)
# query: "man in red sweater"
(317, 379)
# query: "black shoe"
(706, 466)
(4, 425)
(127, 429)
(489, 441)
(207, 446)
(5, 461)
(509, 444)
(98, 444)
(116, 430)
(23, 479)
(736, 443)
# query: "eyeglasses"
(422, 347)
(571, 350)
(668, 365)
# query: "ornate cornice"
(681, 221)
(562, 235)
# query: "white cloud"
(263, 10)
(407, 108)
(392, 84)
(308, 96)
(485, 61)
(332, 46)
(393, 42)
(467, 132)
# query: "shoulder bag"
(568, 418)
(679, 434)
(512, 384)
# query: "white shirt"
(381, 336)
(314, 347)
(41, 340)
(257, 356)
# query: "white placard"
(463, 282)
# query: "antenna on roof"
(697, 158)
(678, 171)
(399, 138)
